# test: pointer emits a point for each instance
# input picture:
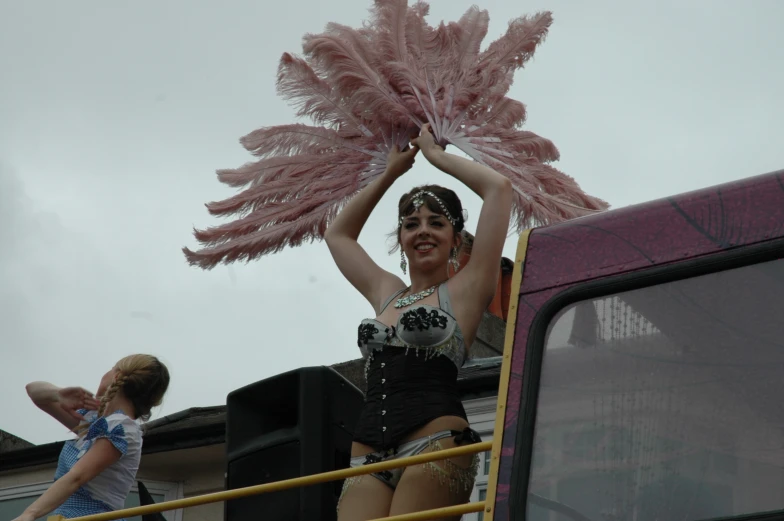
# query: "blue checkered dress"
(108, 490)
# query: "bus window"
(664, 402)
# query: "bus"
(643, 374)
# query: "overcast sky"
(115, 116)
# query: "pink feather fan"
(369, 89)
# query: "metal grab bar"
(437, 513)
(304, 481)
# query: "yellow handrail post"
(506, 368)
(56, 517)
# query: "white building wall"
(481, 415)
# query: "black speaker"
(294, 424)
(145, 498)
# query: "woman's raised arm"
(480, 275)
(62, 404)
(354, 263)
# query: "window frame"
(481, 515)
(481, 413)
(482, 480)
(739, 257)
(170, 490)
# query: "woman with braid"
(96, 470)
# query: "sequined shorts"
(457, 476)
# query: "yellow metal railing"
(314, 479)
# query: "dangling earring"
(403, 262)
(453, 260)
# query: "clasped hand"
(400, 161)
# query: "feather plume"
(310, 171)
(313, 97)
(505, 113)
(369, 89)
(290, 140)
(513, 50)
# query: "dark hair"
(450, 199)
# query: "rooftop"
(201, 426)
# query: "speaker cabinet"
(294, 424)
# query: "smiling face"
(430, 222)
(427, 239)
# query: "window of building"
(480, 486)
(664, 402)
(14, 500)
(481, 496)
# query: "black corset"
(404, 392)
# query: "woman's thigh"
(364, 497)
(434, 485)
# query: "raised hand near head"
(400, 161)
(427, 143)
(74, 398)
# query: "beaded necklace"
(414, 297)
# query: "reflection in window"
(665, 402)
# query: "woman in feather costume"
(379, 95)
(420, 334)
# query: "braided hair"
(142, 379)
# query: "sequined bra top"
(432, 331)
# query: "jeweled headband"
(418, 201)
